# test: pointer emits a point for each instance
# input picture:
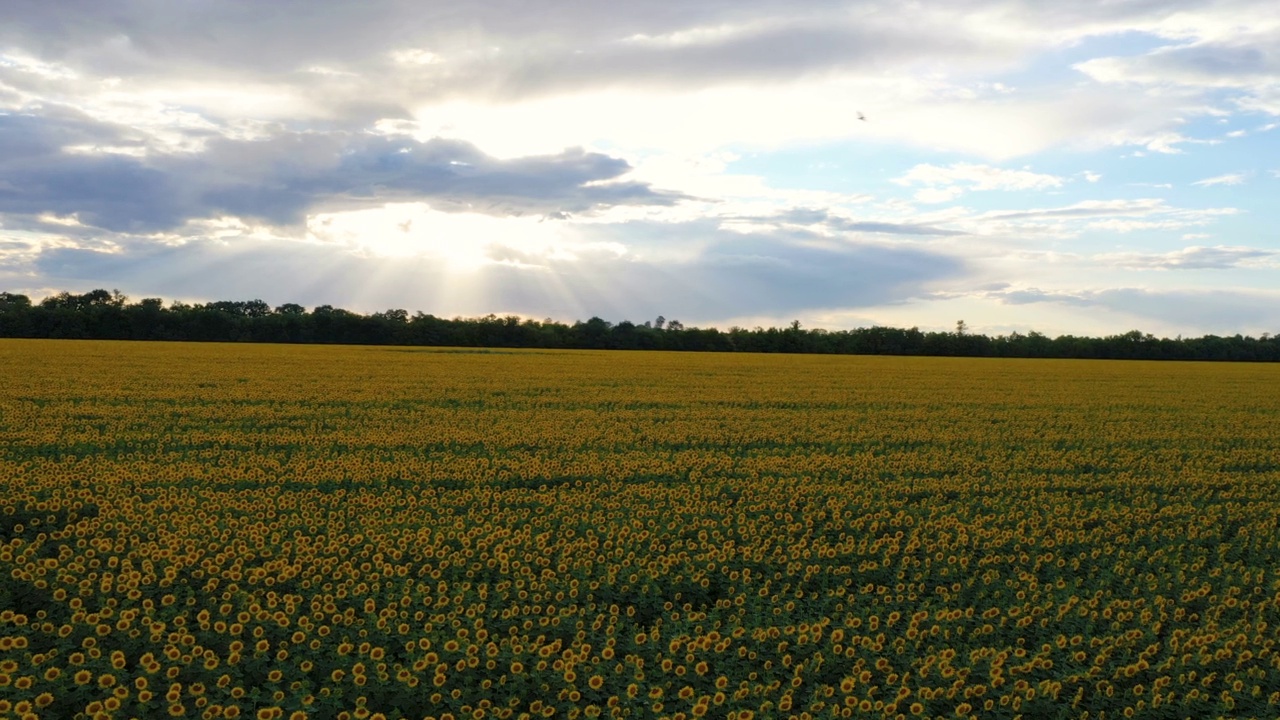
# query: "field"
(289, 532)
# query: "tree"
(594, 333)
(256, 308)
(328, 310)
(625, 336)
(103, 314)
(11, 302)
(93, 298)
(102, 297)
(242, 308)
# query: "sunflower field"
(263, 531)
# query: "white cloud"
(947, 183)
(759, 72)
(1228, 179)
(51, 219)
(1264, 99)
(1191, 258)
(26, 64)
(1243, 63)
(978, 177)
(1117, 225)
(415, 56)
(1085, 209)
(938, 195)
(1009, 229)
(1166, 143)
(1238, 62)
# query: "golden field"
(332, 532)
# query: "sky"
(1085, 168)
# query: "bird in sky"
(862, 117)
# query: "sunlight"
(465, 242)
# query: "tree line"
(109, 315)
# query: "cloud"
(1119, 225)
(756, 51)
(1228, 179)
(1099, 215)
(1087, 219)
(978, 177)
(1085, 209)
(1218, 62)
(489, 48)
(112, 190)
(938, 195)
(836, 223)
(734, 275)
(280, 179)
(1192, 310)
(1196, 257)
(513, 45)
(1143, 214)
(757, 71)
(947, 183)
(39, 137)
(1245, 62)
(1027, 296)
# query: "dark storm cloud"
(280, 179)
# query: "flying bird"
(862, 117)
